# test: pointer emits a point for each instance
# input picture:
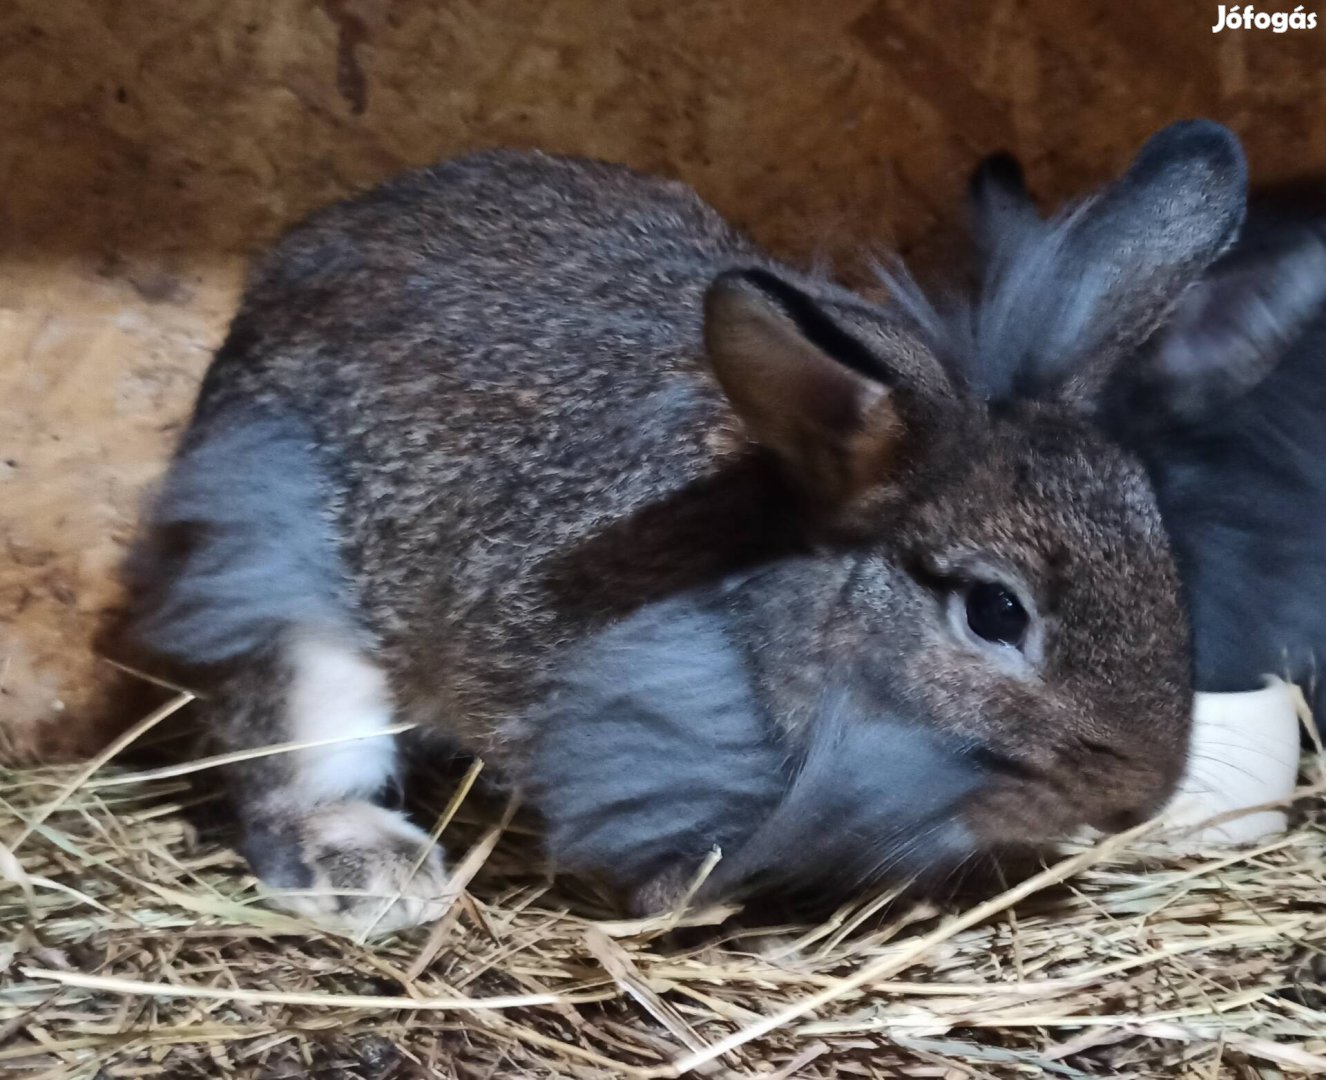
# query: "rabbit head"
(1221, 399)
(979, 642)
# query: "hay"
(135, 946)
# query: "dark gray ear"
(1231, 329)
(1001, 208)
(1140, 245)
(1064, 301)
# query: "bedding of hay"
(134, 946)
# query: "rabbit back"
(497, 373)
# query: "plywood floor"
(147, 148)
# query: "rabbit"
(508, 432)
(1224, 403)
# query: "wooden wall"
(148, 146)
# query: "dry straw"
(134, 947)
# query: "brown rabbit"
(540, 454)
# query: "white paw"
(366, 870)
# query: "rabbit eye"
(996, 614)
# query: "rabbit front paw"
(351, 866)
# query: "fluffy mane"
(1031, 315)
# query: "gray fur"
(876, 795)
(1230, 329)
(1000, 204)
(1229, 415)
(651, 749)
(240, 544)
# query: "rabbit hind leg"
(321, 823)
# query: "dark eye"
(996, 614)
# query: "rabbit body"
(1241, 478)
(540, 454)
(445, 345)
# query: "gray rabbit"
(1225, 404)
(699, 551)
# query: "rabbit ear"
(1063, 302)
(1001, 208)
(1148, 237)
(804, 386)
(1231, 329)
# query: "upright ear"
(1002, 210)
(1150, 236)
(1230, 330)
(803, 385)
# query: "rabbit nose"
(1122, 819)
